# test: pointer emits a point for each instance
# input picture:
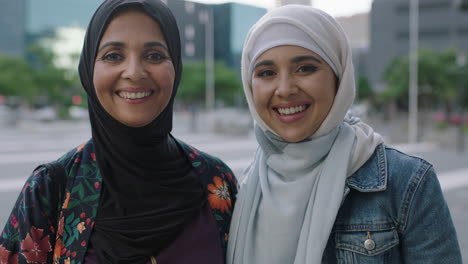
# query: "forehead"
(286, 52)
(133, 24)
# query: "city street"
(29, 144)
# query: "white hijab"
(292, 192)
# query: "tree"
(192, 85)
(54, 83)
(364, 90)
(17, 78)
(438, 78)
(38, 80)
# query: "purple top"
(198, 243)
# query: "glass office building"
(12, 27)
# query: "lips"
(134, 95)
(291, 110)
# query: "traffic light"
(464, 5)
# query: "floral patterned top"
(44, 229)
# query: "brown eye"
(112, 57)
(265, 73)
(307, 68)
(155, 57)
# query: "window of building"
(189, 31)
(424, 6)
(203, 16)
(189, 49)
(189, 7)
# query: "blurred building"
(356, 28)
(44, 15)
(229, 23)
(441, 26)
(12, 27)
(192, 19)
(232, 23)
(293, 2)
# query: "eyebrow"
(155, 44)
(293, 60)
(121, 44)
(264, 63)
(304, 58)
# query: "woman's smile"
(135, 97)
(288, 113)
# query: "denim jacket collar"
(372, 176)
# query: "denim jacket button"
(369, 244)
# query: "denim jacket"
(393, 212)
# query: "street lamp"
(206, 17)
(413, 78)
(464, 5)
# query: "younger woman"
(323, 187)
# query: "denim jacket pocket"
(367, 245)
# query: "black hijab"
(150, 190)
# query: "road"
(23, 147)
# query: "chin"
(293, 138)
(134, 123)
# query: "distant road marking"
(39, 157)
(11, 185)
(449, 180)
(454, 179)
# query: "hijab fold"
(150, 190)
(291, 194)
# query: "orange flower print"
(81, 227)
(6, 257)
(58, 250)
(80, 147)
(67, 261)
(219, 195)
(67, 200)
(93, 156)
(61, 224)
(35, 246)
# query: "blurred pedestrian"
(134, 193)
(323, 187)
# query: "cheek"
(167, 78)
(101, 79)
(259, 94)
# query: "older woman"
(323, 187)
(134, 193)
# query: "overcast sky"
(333, 7)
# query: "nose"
(286, 86)
(134, 69)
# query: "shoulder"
(404, 163)
(210, 167)
(66, 161)
(79, 154)
(208, 160)
(389, 168)
(407, 173)
(194, 152)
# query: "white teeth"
(291, 110)
(130, 95)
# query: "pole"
(461, 62)
(209, 66)
(413, 80)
